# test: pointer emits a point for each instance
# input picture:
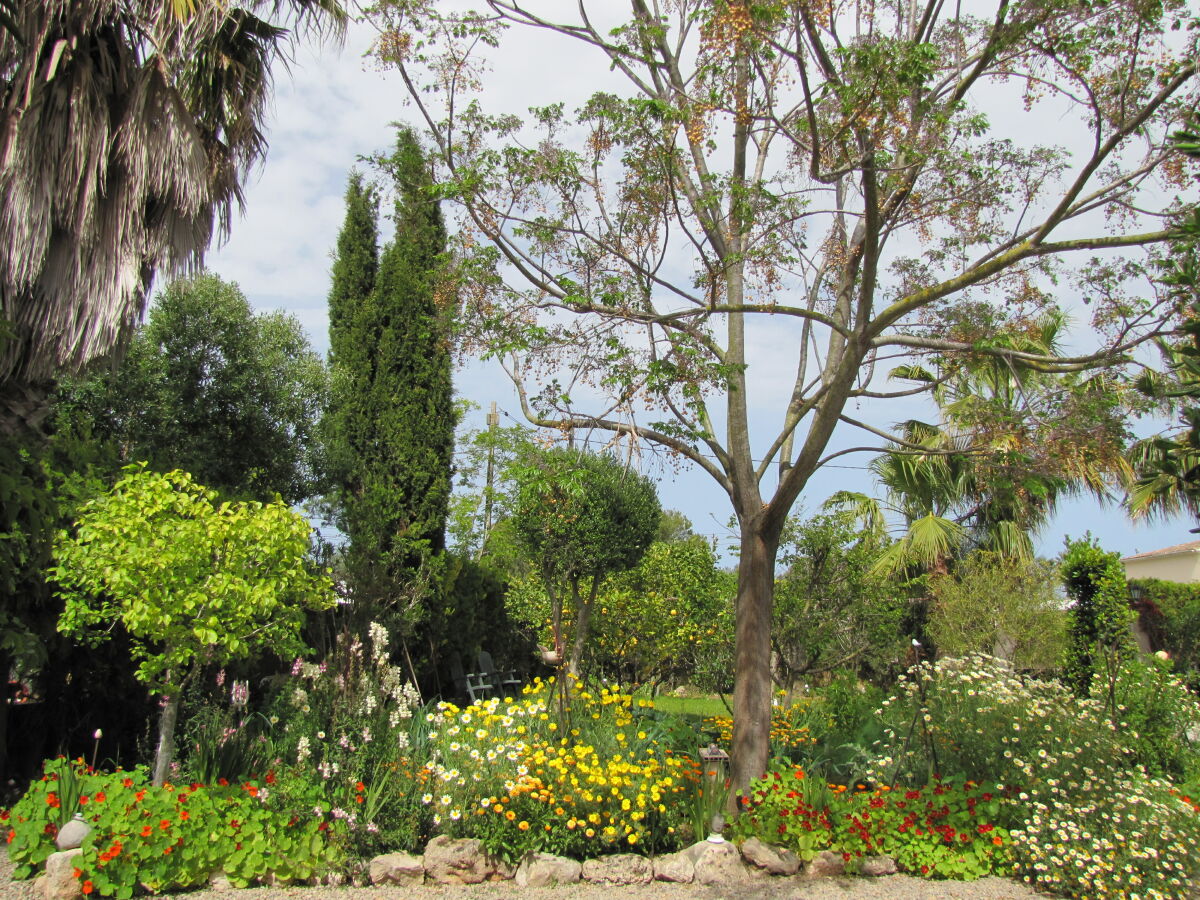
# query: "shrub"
(945, 829)
(1160, 715)
(173, 836)
(584, 778)
(347, 728)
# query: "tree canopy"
(868, 180)
(581, 516)
(191, 579)
(230, 396)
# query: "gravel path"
(895, 887)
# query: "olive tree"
(769, 186)
(192, 581)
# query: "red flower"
(845, 856)
(271, 778)
(139, 796)
(912, 795)
(195, 786)
(997, 840)
(76, 873)
(184, 815)
(100, 796)
(126, 782)
(3, 815)
(223, 782)
(924, 870)
(358, 798)
(12, 833)
(52, 800)
(164, 824)
(252, 790)
(147, 831)
(88, 887)
(359, 786)
(984, 829)
(83, 799)
(51, 829)
(167, 851)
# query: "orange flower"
(164, 824)
(88, 887)
(139, 796)
(52, 800)
(997, 841)
(100, 797)
(252, 790)
(184, 815)
(359, 786)
(126, 782)
(147, 831)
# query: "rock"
(624, 868)
(543, 869)
(720, 864)
(59, 881)
(678, 867)
(397, 868)
(875, 866)
(771, 859)
(218, 881)
(457, 861)
(825, 864)
(72, 834)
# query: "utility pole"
(493, 422)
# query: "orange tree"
(824, 188)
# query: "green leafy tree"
(210, 387)
(835, 177)
(391, 422)
(193, 581)
(127, 131)
(1001, 606)
(833, 608)
(1099, 618)
(581, 516)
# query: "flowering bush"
(351, 722)
(790, 727)
(1104, 834)
(1161, 715)
(172, 836)
(1085, 819)
(584, 779)
(944, 829)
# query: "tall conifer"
(392, 421)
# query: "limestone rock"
(59, 881)
(678, 867)
(720, 864)
(624, 868)
(875, 866)
(543, 869)
(397, 868)
(72, 834)
(825, 864)
(457, 861)
(218, 881)
(771, 859)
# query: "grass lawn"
(690, 706)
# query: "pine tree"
(392, 422)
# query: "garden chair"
(474, 684)
(507, 683)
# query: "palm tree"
(127, 128)
(1014, 440)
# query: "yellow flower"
(510, 815)
(633, 838)
(523, 825)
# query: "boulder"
(720, 864)
(397, 868)
(771, 859)
(457, 861)
(678, 867)
(624, 868)
(59, 881)
(876, 866)
(72, 834)
(543, 869)
(825, 864)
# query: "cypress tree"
(393, 417)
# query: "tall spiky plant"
(127, 128)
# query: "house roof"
(1189, 547)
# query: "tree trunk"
(583, 625)
(752, 670)
(166, 738)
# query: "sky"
(335, 107)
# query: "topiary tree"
(580, 517)
(192, 582)
(1098, 633)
